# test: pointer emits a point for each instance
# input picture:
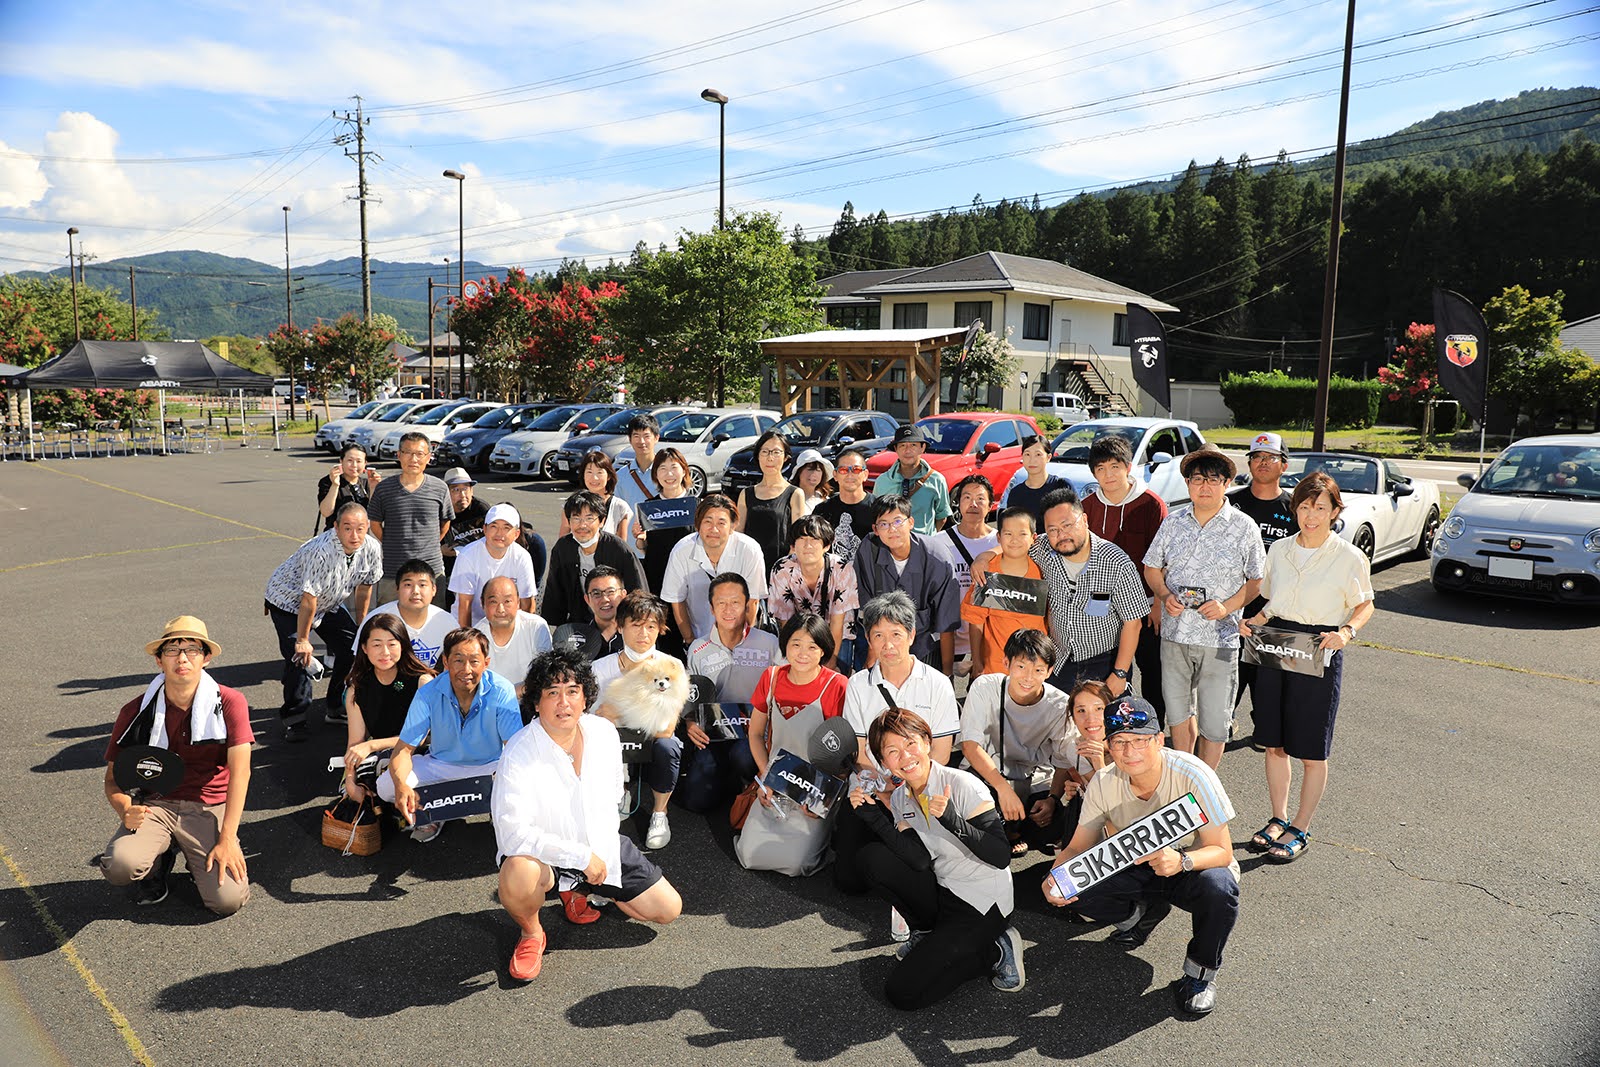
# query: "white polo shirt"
(689, 573)
(926, 692)
(475, 567)
(530, 635)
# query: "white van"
(1068, 407)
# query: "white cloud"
(22, 179)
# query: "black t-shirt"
(860, 525)
(1023, 497)
(466, 525)
(348, 491)
(384, 707)
(1274, 517)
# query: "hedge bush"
(1407, 411)
(1273, 398)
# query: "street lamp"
(72, 272)
(461, 265)
(288, 305)
(712, 96)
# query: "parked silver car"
(1530, 527)
(709, 438)
(610, 437)
(433, 425)
(331, 434)
(376, 429)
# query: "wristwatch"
(1186, 860)
(1121, 673)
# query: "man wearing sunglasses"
(850, 509)
(1197, 872)
(897, 557)
(1204, 566)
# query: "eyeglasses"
(1052, 531)
(856, 468)
(186, 651)
(772, 452)
(1206, 479)
(413, 453)
(891, 525)
(1130, 742)
(610, 591)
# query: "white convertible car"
(1386, 514)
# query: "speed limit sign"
(470, 290)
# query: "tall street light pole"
(712, 96)
(461, 266)
(288, 305)
(72, 272)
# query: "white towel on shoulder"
(205, 713)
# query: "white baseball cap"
(503, 513)
(1268, 442)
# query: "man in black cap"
(184, 711)
(1267, 502)
(1196, 872)
(912, 478)
(467, 524)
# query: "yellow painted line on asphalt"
(70, 952)
(1479, 663)
(128, 552)
(171, 504)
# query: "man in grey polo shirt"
(410, 516)
(1204, 566)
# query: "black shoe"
(1196, 997)
(295, 732)
(335, 716)
(1139, 932)
(152, 888)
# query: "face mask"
(589, 544)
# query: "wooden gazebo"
(860, 361)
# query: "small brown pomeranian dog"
(648, 698)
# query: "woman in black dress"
(378, 693)
(768, 508)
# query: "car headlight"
(463, 442)
(1591, 540)
(1455, 525)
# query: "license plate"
(563, 462)
(1519, 569)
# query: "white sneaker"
(659, 832)
(899, 929)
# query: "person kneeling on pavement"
(941, 859)
(469, 713)
(1196, 872)
(206, 725)
(555, 813)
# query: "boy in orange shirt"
(994, 619)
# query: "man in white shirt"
(495, 555)
(691, 567)
(426, 624)
(555, 813)
(515, 636)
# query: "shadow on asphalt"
(1419, 600)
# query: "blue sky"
(162, 126)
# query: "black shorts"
(1296, 712)
(638, 875)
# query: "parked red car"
(968, 442)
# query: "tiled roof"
(992, 271)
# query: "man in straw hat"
(1204, 566)
(207, 726)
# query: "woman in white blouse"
(555, 813)
(1317, 583)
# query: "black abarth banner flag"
(1463, 340)
(1147, 342)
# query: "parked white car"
(331, 435)
(1157, 446)
(1386, 514)
(433, 425)
(610, 437)
(532, 451)
(1068, 407)
(709, 438)
(376, 429)
(385, 415)
(1529, 527)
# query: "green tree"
(1522, 329)
(746, 277)
(348, 351)
(991, 363)
(556, 344)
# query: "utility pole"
(363, 194)
(288, 310)
(72, 275)
(1330, 289)
(133, 302)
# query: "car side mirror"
(845, 441)
(1241, 479)
(1159, 458)
(1466, 481)
(991, 447)
(1400, 489)
(721, 438)
(582, 426)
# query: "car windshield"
(948, 436)
(555, 418)
(688, 427)
(490, 420)
(393, 411)
(364, 410)
(434, 416)
(1073, 445)
(617, 423)
(807, 428)
(1561, 471)
(1351, 473)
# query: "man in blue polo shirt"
(471, 713)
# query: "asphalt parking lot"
(1448, 911)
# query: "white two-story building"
(1069, 327)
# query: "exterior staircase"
(1085, 377)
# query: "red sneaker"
(578, 909)
(527, 957)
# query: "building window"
(854, 317)
(967, 311)
(1036, 322)
(1119, 330)
(911, 316)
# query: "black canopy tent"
(185, 366)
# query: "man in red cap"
(207, 725)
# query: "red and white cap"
(1268, 442)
